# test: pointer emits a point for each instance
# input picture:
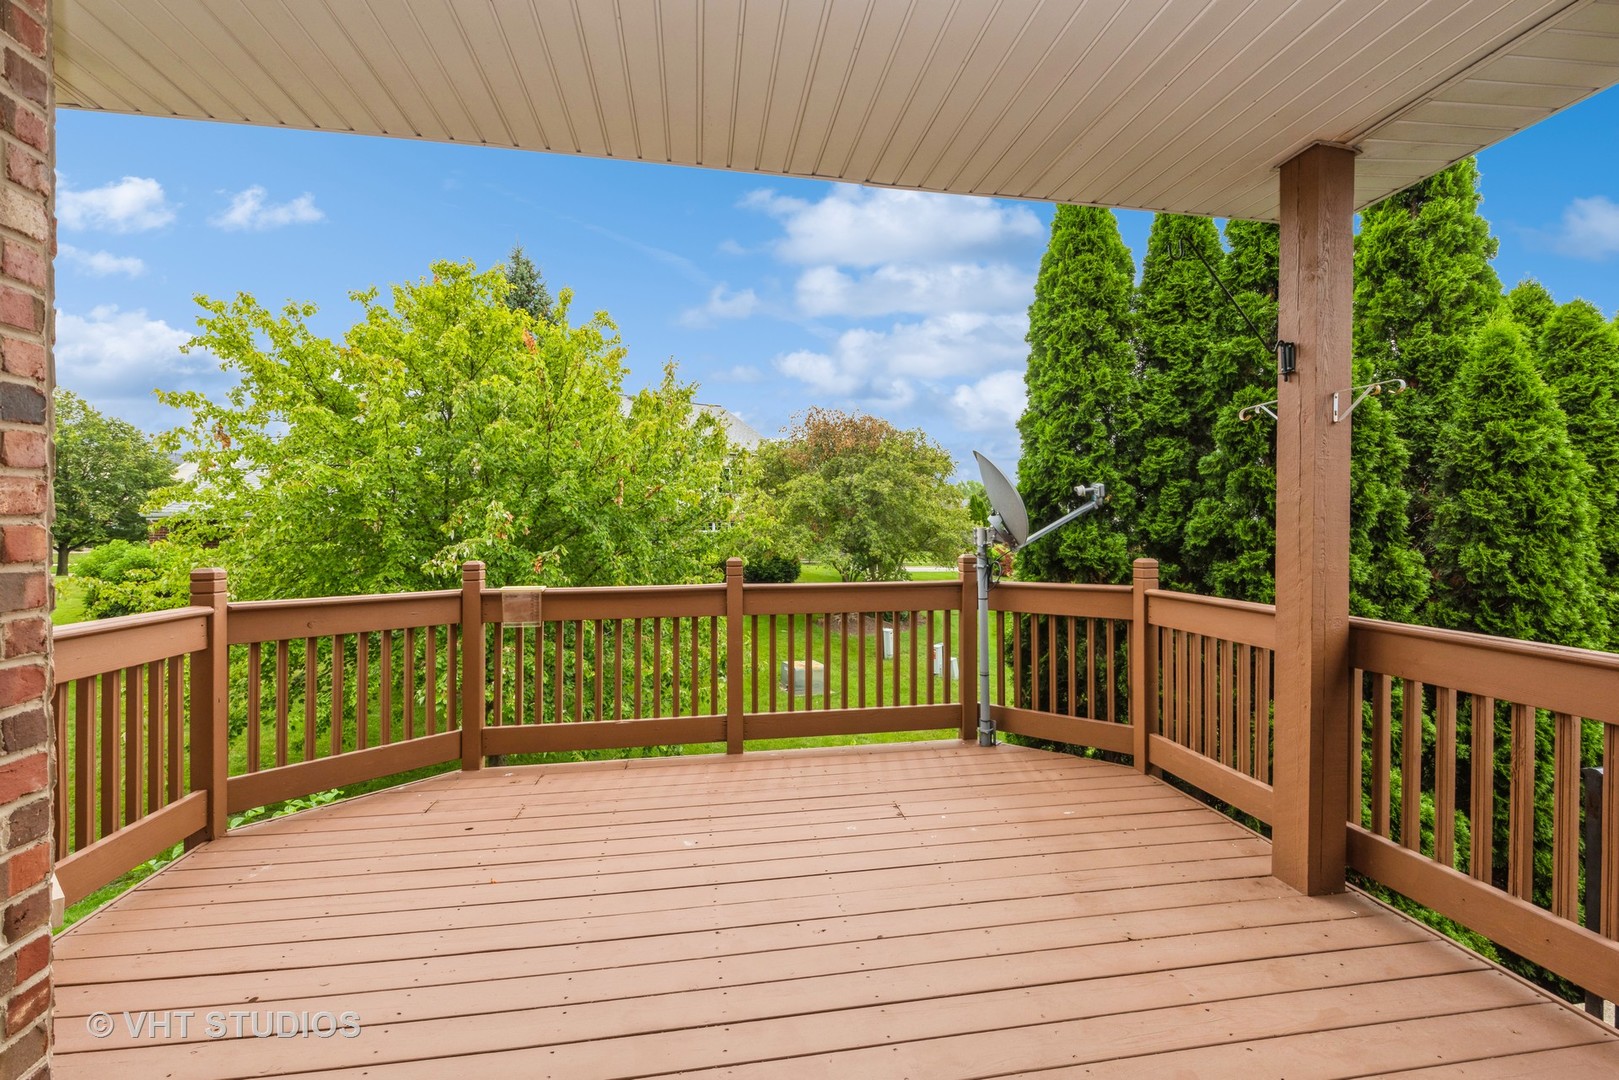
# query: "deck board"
(927, 910)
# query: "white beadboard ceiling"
(1182, 105)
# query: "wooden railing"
(1438, 819)
(168, 723)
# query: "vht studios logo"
(223, 1023)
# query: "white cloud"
(1590, 229)
(855, 226)
(115, 358)
(885, 366)
(101, 263)
(722, 304)
(249, 210)
(133, 204)
(914, 289)
(994, 403)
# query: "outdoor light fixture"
(1287, 359)
(1009, 525)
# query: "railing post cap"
(733, 565)
(1146, 568)
(208, 573)
(966, 562)
(471, 569)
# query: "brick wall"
(27, 243)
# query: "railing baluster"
(639, 672)
(154, 734)
(498, 656)
(1017, 660)
(1034, 662)
(860, 651)
(1444, 787)
(1608, 903)
(1357, 746)
(826, 661)
(255, 703)
(386, 726)
(311, 668)
(283, 694)
(132, 745)
(843, 668)
(83, 747)
(177, 739)
(792, 664)
(1566, 785)
(618, 669)
(932, 665)
(1411, 766)
(430, 698)
(339, 647)
(1382, 751)
(559, 670)
(1481, 862)
(948, 667)
(109, 752)
(362, 691)
(61, 805)
(579, 670)
(1111, 672)
(452, 676)
(1521, 820)
(914, 616)
(1245, 712)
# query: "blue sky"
(772, 294)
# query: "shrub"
(771, 570)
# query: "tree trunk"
(61, 558)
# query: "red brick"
(32, 957)
(25, 123)
(27, 1006)
(25, 775)
(20, 590)
(25, 28)
(22, 543)
(19, 684)
(36, 6)
(27, 637)
(29, 821)
(26, 730)
(27, 868)
(27, 77)
(25, 358)
(20, 1058)
(24, 262)
(23, 450)
(28, 913)
(21, 309)
(24, 167)
(21, 495)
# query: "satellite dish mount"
(1009, 525)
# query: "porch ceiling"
(1183, 105)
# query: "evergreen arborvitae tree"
(1579, 359)
(1233, 527)
(1514, 553)
(1530, 305)
(1079, 395)
(528, 291)
(1178, 309)
(1423, 287)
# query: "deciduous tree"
(106, 469)
(446, 426)
(868, 497)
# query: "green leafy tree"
(868, 497)
(126, 578)
(528, 290)
(1423, 287)
(445, 427)
(1514, 553)
(1579, 358)
(1178, 313)
(1080, 398)
(976, 499)
(106, 469)
(1232, 531)
(1530, 305)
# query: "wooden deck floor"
(927, 910)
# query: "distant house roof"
(737, 430)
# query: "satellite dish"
(1004, 500)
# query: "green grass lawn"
(69, 601)
(820, 572)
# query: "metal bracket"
(1266, 407)
(1387, 386)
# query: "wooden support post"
(733, 656)
(967, 567)
(473, 677)
(1143, 660)
(210, 709)
(1312, 522)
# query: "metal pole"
(1593, 868)
(982, 538)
